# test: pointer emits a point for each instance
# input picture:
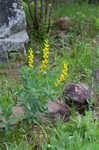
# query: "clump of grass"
(79, 133)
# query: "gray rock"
(56, 112)
(13, 33)
(63, 23)
(13, 43)
(17, 114)
(78, 95)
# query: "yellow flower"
(61, 78)
(30, 58)
(45, 49)
(64, 72)
(45, 56)
(43, 66)
(45, 61)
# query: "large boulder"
(78, 95)
(13, 33)
(56, 111)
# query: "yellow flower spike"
(30, 58)
(62, 76)
(45, 56)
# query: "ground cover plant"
(49, 65)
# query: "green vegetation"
(78, 47)
(79, 133)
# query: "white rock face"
(13, 33)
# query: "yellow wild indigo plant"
(38, 87)
(30, 58)
(64, 73)
(45, 56)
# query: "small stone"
(63, 23)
